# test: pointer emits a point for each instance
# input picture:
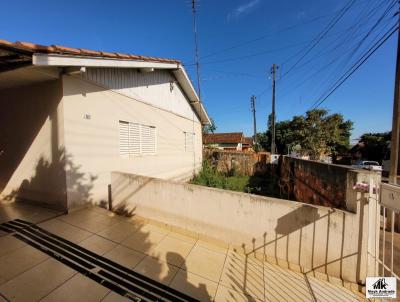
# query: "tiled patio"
(203, 270)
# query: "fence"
(384, 248)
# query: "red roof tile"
(220, 138)
(36, 48)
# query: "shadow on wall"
(291, 242)
(48, 186)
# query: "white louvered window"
(123, 138)
(134, 139)
(137, 139)
(189, 141)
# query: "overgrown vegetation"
(210, 177)
(257, 184)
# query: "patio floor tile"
(202, 269)
(243, 274)
(125, 256)
(225, 294)
(205, 263)
(78, 288)
(9, 244)
(22, 259)
(65, 230)
(172, 250)
(325, 291)
(118, 232)
(37, 282)
(143, 241)
(194, 285)
(98, 244)
(157, 270)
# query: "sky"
(313, 42)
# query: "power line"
(346, 36)
(294, 26)
(330, 63)
(356, 66)
(358, 44)
(334, 21)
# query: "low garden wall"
(320, 183)
(316, 238)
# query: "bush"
(210, 177)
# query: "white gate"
(384, 239)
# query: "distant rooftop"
(230, 138)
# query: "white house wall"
(158, 88)
(91, 128)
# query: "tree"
(211, 127)
(373, 146)
(314, 134)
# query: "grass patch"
(264, 185)
(210, 177)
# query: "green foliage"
(210, 177)
(375, 146)
(210, 128)
(314, 134)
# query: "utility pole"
(394, 149)
(196, 48)
(253, 109)
(274, 68)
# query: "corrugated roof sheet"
(58, 49)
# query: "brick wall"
(320, 183)
(245, 163)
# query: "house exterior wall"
(158, 88)
(31, 137)
(91, 122)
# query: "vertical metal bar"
(383, 243)
(391, 260)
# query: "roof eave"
(59, 60)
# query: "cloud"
(242, 9)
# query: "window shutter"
(148, 139)
(123, 138)
(134, 139)
(137, 139)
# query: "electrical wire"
(321, 36)
(356, 66)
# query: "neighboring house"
(72, 116)
(227, 141)
(247, 144)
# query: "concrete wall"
(91, 116)
(321, 183)
(31, 137)
(317, 238)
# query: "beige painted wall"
(318, 238)
(93, 144)
(31, 136)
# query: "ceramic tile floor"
(198, 268)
